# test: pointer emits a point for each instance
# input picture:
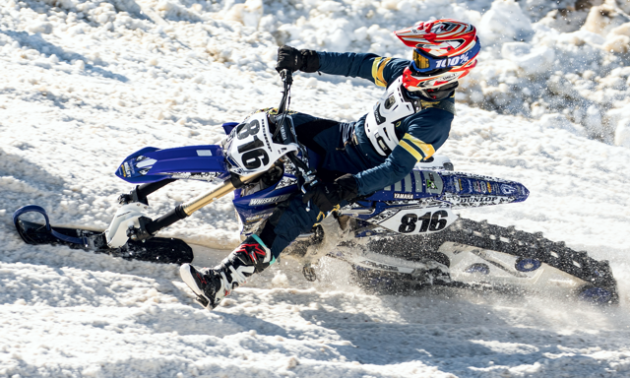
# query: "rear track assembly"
(501, 239)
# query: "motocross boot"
(213, 284)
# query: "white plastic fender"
(439, 162)
(126, 216)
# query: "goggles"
(414, 81)
(423, 63)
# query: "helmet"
(444, 52)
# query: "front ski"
(155, 249)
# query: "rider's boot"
(212, 284)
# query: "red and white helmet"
(444, 52)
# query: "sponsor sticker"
(478, 199)
(267, 201)
(403, 195)
(507, 189)
(458, 185)
(448, 77)
(255, 218)
(430, 182)
(489, 188)
(482, 185)
(204, 153)
(123, 214)
(443, 63)
(382, 144)
(477, 186)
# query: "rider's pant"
(325, 141)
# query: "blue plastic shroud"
(227, 127)
(417, 186)
(162, 164)
(168, 162)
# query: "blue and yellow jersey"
(420, 134)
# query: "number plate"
(420, 221)
(250, 147)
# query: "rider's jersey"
(418, 135)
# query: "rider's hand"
(293, 59)
(327, 196)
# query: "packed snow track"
(86, 82)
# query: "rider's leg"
(326, 139)
(287, 222)
(255, 254)
(212, 284)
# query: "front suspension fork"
(138, 227)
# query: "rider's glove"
(327, 196)
(293, 59)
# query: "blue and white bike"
(401, 238)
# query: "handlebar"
(287, 79)
(288, 135)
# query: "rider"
(410, 122)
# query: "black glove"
(327, 196)
(293, 59)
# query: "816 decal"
(253, 156)
(429, 221)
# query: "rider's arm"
(378, 70)
(427, 132)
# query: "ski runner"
(408, 124)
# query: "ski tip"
(32, 233)
(30, 209)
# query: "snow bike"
(403, 237)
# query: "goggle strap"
(442, 62)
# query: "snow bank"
(85, 83)
(581, 73)
(504, 22)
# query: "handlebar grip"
(287, 76)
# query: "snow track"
(85, 83)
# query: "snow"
(85, 83)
